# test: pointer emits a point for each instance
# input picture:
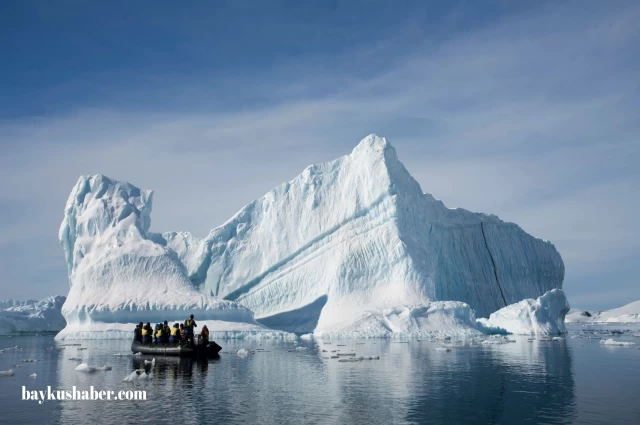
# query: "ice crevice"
(493, 263)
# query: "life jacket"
(159, 333)
(174, 331)
(188, 326)
(182, 331)
(145, 331)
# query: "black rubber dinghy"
(199, 350)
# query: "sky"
(527, 110)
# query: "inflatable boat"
(197, 350)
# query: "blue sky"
(528, 110)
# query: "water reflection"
(517, 383)
(411, 383)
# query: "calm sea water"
(571, 381)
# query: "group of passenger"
(164, 334)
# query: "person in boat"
(174, 337)
(147, 332)
(182, 336)
(166, 332)
(158, 333)
(204, 335)
(137, 333)
(189, 324)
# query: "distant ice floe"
(629, 313)
(613, 342)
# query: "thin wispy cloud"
(531, 117)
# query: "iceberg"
(120, 275)
(542, 316)
(340, 247)
(32, 315)
(629, 313)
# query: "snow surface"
(346, 242)
(629, 313)
(578, 316)
(544, 315)
(32, 315)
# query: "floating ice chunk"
(138, 354)
(557, 338)
(83, 367)
(243, 352)
(445, 349)
(497, 339)
(6, 372)
(33, 376)
(105, 368)
(133, 376)
(301, 348)
(29, 360)
(616, 343)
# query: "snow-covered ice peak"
(344, 237)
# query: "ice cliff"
(349, 236)
(32, 315)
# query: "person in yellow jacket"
(174, 337)
(147, 333)
(159, 332)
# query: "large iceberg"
(32, 315)
(345, 238)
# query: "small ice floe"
(151, 362)
(83, 367)
(138, 354)
(301, 348)
(75, 359)
(616, 343)
(105, 368)
(445, 349)
(18, 365)
(133, 376)
(33, 376)
(243, 352)
(557, 338)
(6, 372)
(29, 360)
